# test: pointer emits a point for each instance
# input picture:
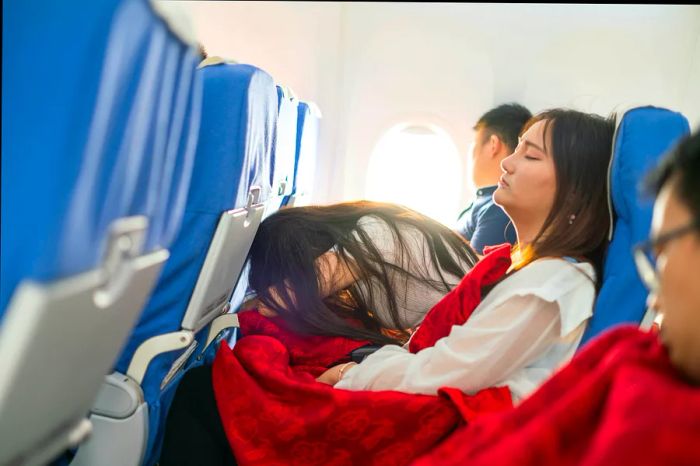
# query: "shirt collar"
(486, 191)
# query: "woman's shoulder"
(375, 230)
(567, 265)
(371, 219)
(551, 278)
(373, 225)
(568, 284)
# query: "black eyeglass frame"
(645, 257)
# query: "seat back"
(91, 128)
(308, 119)
(642, 136)
(230, 185)
(284, 150)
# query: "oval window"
(417, 166)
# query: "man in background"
(484, 223)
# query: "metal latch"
(253, 198)
(283, 187)
(126, 240)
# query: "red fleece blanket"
(457, 305)
(307, 353)
(619, 402)
(274, 411)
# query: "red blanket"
(619, 402)
(274, 411)
(457, 305)
(307, 353)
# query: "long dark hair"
(289, 241)
(581, 149)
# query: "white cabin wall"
(690, 101)
(450, 63)
(372, 65)
(407, 63)
(608, 57)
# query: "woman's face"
(528, 184)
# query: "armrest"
(359, 354)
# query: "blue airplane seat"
(81, 203)
(308, 120)
(180, 103)
(231, 176)
(643, 135)
(284, 149)
(56, 158)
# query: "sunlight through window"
(419, 167)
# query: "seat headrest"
(642, 136)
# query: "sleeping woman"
(362, 270)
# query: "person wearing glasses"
(667, 261)
(630, 396)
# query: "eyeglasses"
(645, 253)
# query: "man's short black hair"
(682, 164)
(505, 121)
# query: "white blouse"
(527, 326)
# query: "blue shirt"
(484, 223)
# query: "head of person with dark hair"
(496, 137)
(554, 186)
(483, 223)
(673, 253)
(354, 269)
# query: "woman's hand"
(249, 305)
(333, 375)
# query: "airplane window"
(417, 166)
